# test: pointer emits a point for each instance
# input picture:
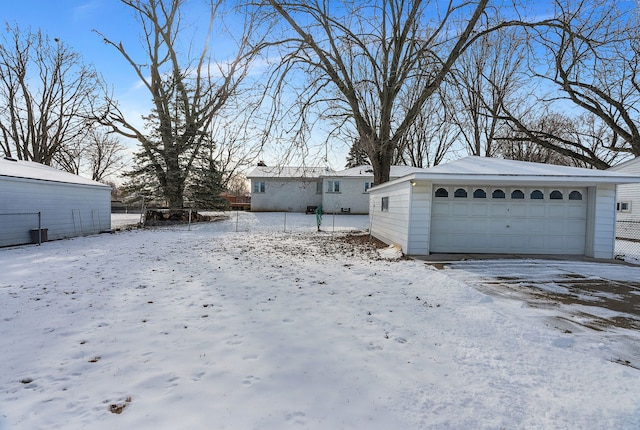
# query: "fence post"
(39, 228)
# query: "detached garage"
(39, 203)
(489, 205)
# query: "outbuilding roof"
(36, 171)
(474, 169)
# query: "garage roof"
(474, 169)
(30, 170)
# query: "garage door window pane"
(441, 192)
(537, 195)
(498, 194)
(555, 195)
(479, 194)
(460, 192)
(517, 195)
(575, 195)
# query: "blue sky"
(72, 21)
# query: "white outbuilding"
(39, 203)
(490, 205)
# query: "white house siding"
(392, 225)
(601, 237)
(285, 195)
(628, 193)
(352, 197)
(66, 209)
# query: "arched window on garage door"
(479, 194)
(442, 192)
(555, 195)
(460, 192)
(498, 194)
(517, 195)
(575, 195)
(537, 195)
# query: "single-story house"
(39, 202)
(490, 205)
(346, 191)
(294, 189)
(285, 189)
(628, 198)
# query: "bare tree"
(187, 94)
(484, 79)
(359, 58)
(47, 96)
(97, 155)
(591, 58)
(432, 134)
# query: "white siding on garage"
(419, 219)
(67, 209)
(601, 238)
(391, 225)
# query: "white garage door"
(508, 220)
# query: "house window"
(555, 195)
(367, 185)
(441, 192)
(575, 195)
(479, 194)
(537, 195)
(385, 204)
(498, 194)
(318, 187)
(623, 206)
(460, 192)
(517, 195)
(259, 187)
(333, 186)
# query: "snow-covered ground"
(258, 322)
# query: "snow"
(37, 171)
(261, 322)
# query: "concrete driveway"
(593, 294)
(575, 296)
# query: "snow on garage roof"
(474, 169)
(30, 170)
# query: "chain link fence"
(19, 228)
(628, 238)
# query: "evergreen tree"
(357, 155)
(206, 183)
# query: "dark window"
(575, 195)
(460, 192)
(441, 192)
(517, 195)
(555, 195)
(537, 195)
(479, 194)
(259, 187)
(623, 206)
(385, 204)
(498, 194)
